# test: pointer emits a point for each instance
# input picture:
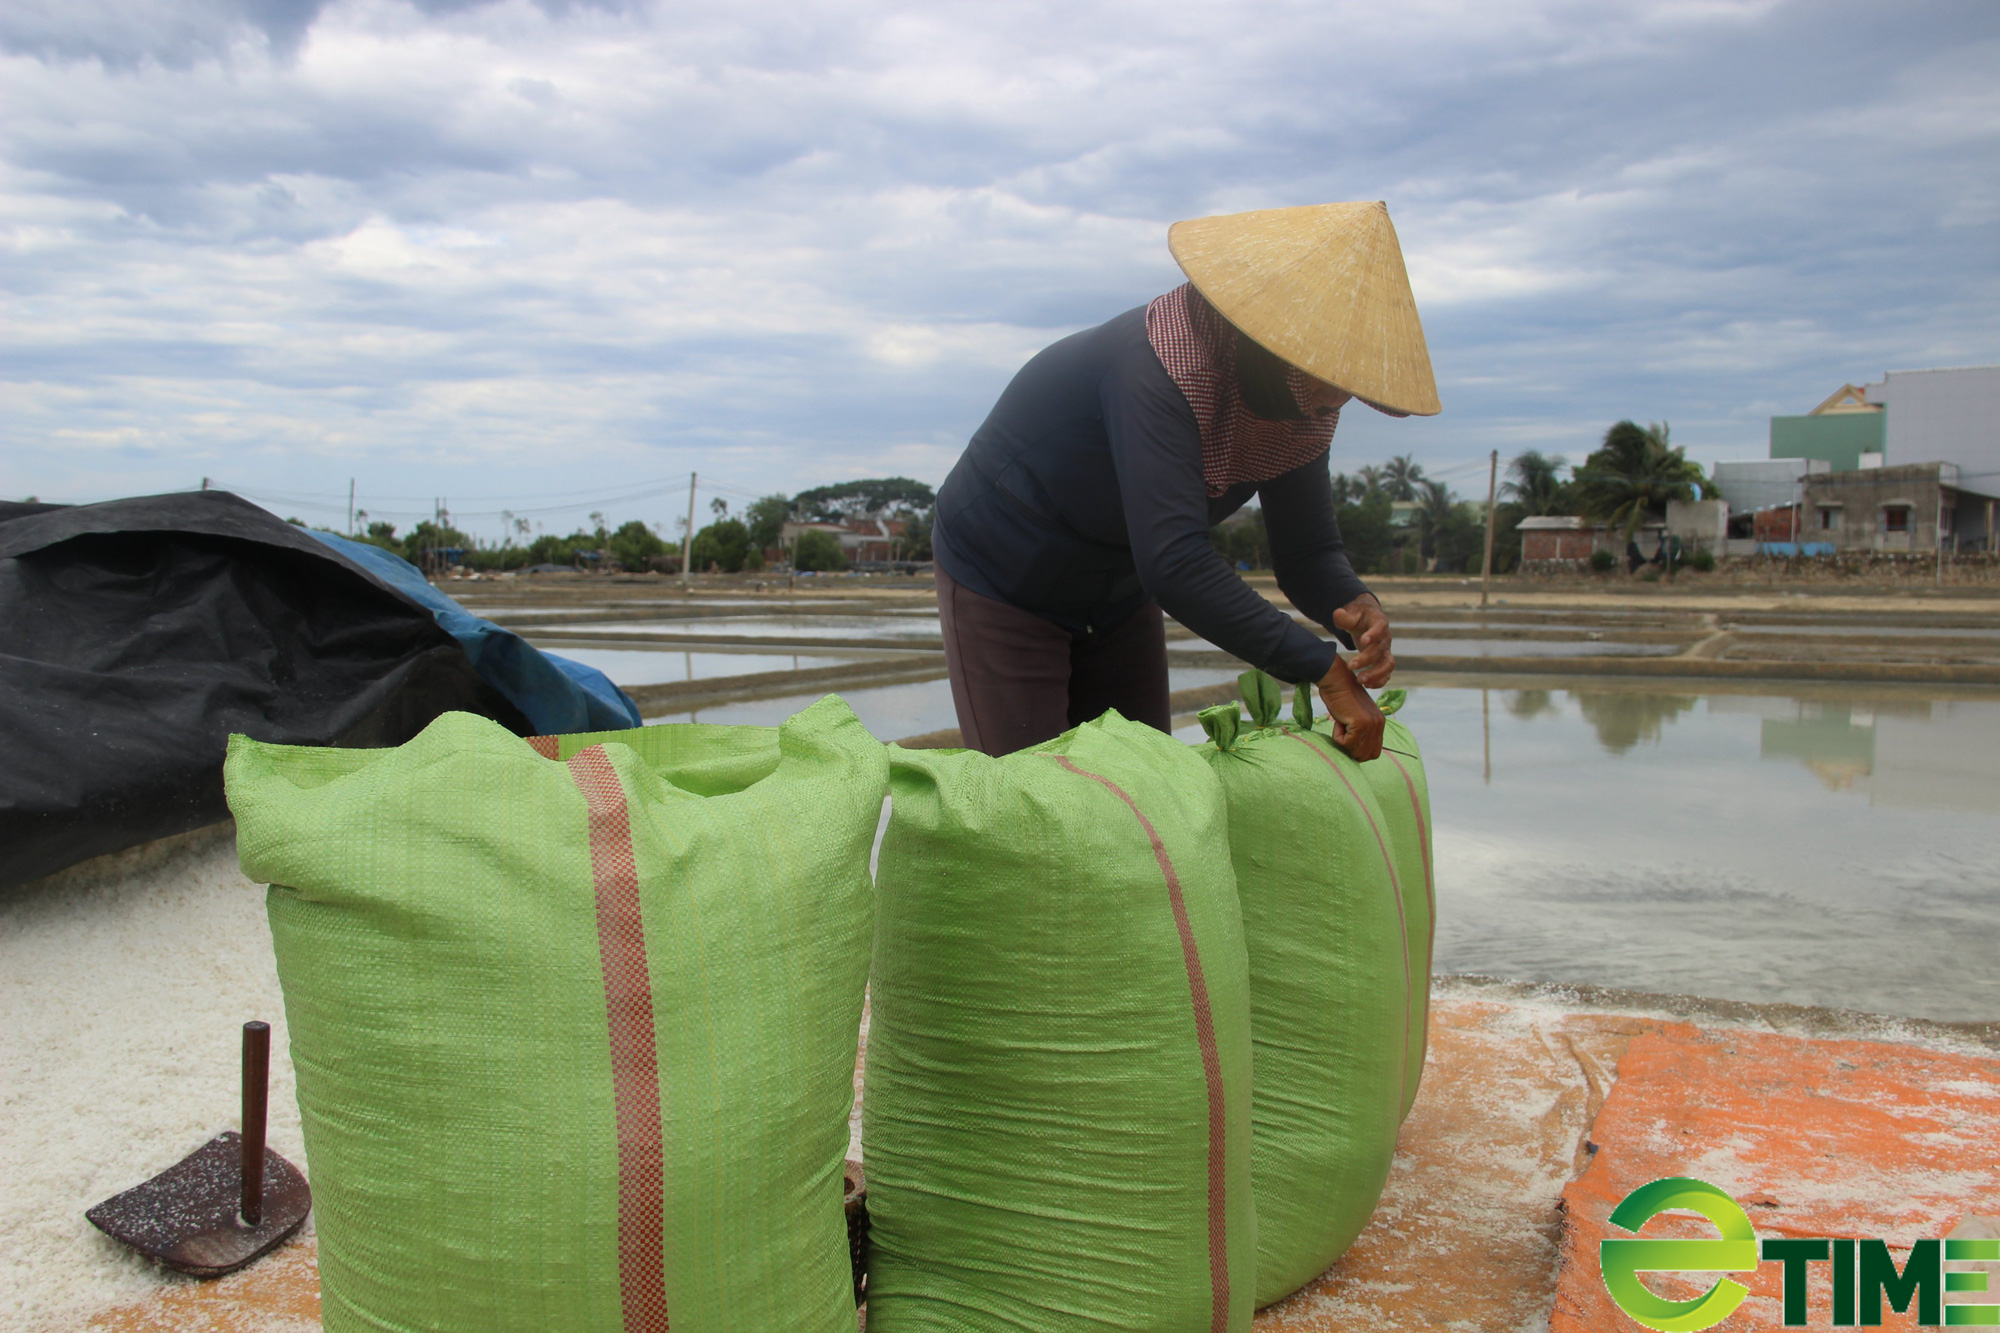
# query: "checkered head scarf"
(1198, 348)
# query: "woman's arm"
(1302, 521)
(1156, 449)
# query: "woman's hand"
(1364, 619)
(1357, 722)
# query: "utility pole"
(350, 506)
(1492, 489)
(687, 538)
(1940, 529)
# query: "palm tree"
(1633, 474)
(1370, 478)
(1534, 482)
(1401, 477)
(1434, 505)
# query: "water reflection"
(1623, 719)
(1831, 847)
(1824, 846)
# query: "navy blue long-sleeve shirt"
(1082, 495)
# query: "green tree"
(851, 499)
(1535, 484)
(724, 545)
(1506, 536)
(1243, 540)
(916, 544)
(765, 519)
(1401, 478)
(816, 548)
(381, 534)
(1365, 530)
(549, 549)
(428, 536)
(1355, 489)
(1633, 475)
(1434, 505)
(634, 543)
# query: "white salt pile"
(124, 986)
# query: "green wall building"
(1837, 438)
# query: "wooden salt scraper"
(225, 1205)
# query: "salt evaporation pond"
(1829, 846)
(916, 625)
(1832, 847)
(894, 711)
(1413, 646)
(664, 666)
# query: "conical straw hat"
(1322, 287)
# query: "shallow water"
(1839, 848)
(890, 625)
(1892, 630)
(894, 711)
(1749, 847)
(662, 666)
(1416, 646)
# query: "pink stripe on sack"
(548, 747)
(1424, 842)
(1211, 1064)
(635, 1065)
(1402, 924)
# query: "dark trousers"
(1018, 680)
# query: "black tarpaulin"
(136, 635)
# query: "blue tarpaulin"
(556, 694)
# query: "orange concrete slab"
(1466, 1233)
(1813, 1137)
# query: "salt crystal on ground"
(124, 986)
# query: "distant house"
(1845, 432)
(1917, 507)
(1911, 463)
(1564, 541)
(862, 540)
(1554, 539)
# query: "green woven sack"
(575, 1040)
(1057, 1112)
(1338, 966)
(1405, 797)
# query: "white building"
(1944, 416)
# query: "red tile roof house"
(862, 540)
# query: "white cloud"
(501, 247)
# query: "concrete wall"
(1855, 502)
(1705, 522)
(1837, 439)
(1950, 416)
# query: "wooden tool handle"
(256, 1096)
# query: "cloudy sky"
(549, 257)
